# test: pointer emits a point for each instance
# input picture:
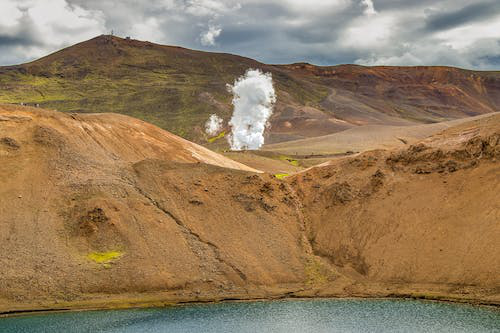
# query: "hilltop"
(177, 89)
(103, 211)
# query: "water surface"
(278, 316)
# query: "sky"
(323, 32)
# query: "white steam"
(253, 100)
(213, 125)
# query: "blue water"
(278, 316)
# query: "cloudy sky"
(323, 32)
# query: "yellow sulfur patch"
(104, 257)
(221, 135)
(290, 160)
(281, 175)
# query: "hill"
(420, 216)
(177, 89)
(288, 157)
(108, 211)
(362, 138)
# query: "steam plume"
(213, 125)
(253, 100)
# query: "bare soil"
(186, 224)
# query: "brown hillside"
(363, 138)
(74, 188)
(107, 211)
(177, 89)
(424, 215)
(107, 138)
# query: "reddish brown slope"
(424, 93)
(177, 89)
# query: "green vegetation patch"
(281, 175)
(315, 272)
(215, 138)
(104, 257)
(290, 160)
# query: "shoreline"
(166, 304)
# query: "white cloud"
(368, 32)
(326, 32)
(210, 8)
(370, 9)
(376, 60)
(148, 29)
(58, 22)
(207, 38)
(433, 52)
(47, 25)
(302, 7)
(464, 36)
(10, 13)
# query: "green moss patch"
(315, 272)
(281, 175)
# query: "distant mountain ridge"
(177, 89)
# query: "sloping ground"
(107, 211)
(421, 93)
(425, 216)
(177, 89)
(97, 208)
(106, 138)
(363, 138)
(273, 164)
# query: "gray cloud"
(469, 13)
(427, 32)
(6, 41)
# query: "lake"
(278, 316)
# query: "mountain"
(106, 211)
(177, 89)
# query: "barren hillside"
(426, 215)
(108, 211)
(104, 207)
(363, 138)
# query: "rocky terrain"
(177, 89)
(103, 210)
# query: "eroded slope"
(423, 216)
(107, 211)
(86, 212)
